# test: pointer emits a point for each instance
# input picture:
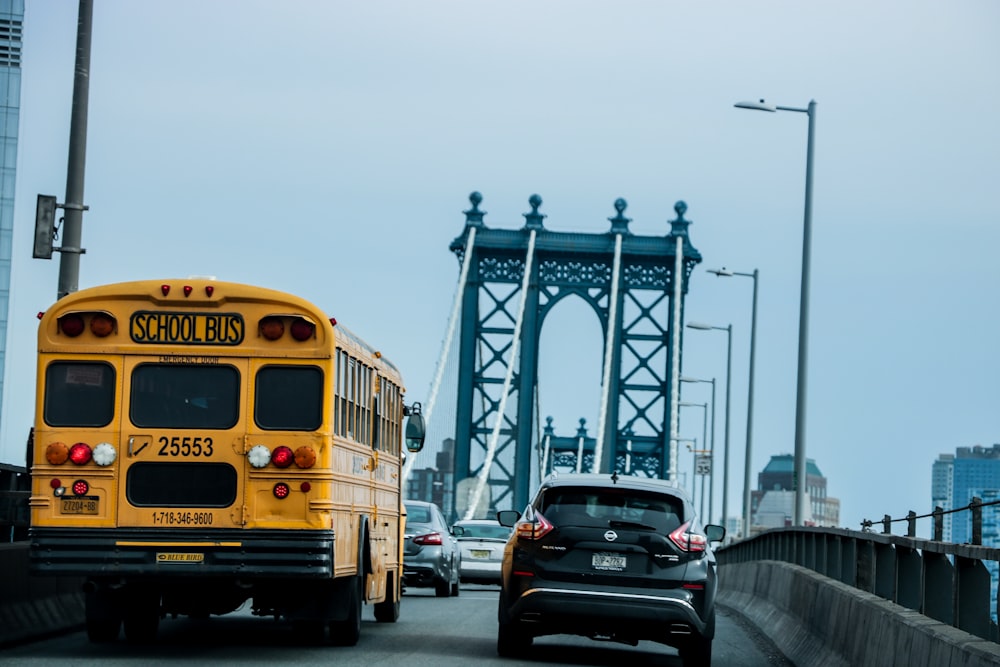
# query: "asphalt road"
(431, 632)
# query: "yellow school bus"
(199, 443)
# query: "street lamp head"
(700, 325)
(721, 272)
(758, 106)
(689, 379)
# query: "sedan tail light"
(688, 541)
(428, 539)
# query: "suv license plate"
(614, 562)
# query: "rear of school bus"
(184, 461)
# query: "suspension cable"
(484, 472)
(446, 345)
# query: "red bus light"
(71, 325)
(302, 330)
(281, 490)
(80, 453)
(272, 328)
(80, 487)
(282, 457)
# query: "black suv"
(609, 557)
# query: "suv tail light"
(688, 541)
(428, 539)
(533, 526)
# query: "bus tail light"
(105, 454)
(80, 487)
(302, 330)
(272, 328)
(71, 324)
(282, 457)
(305, 457)
(80, 453)
(259, 456)
(102, 325)
(281, 490)
(57, 453)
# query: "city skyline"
(330, 152)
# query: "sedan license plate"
(80, 505)
(480, 553)
(614, 562)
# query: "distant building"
(772, 505)
(11, 18)
(435, 484)
(971, 472)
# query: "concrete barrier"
(820, 622)
(35, 607)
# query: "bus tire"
(348, 631)
(387, 611)
(104, 618)
(142, 617)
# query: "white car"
(481, 542)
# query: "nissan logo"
(611, 536)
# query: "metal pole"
(725, 456)
(800, 397)
(747, 467)
(711, 455)
(72, 229)
(704, 443)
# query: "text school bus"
(201, 443)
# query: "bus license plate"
(614, 562)
(80, 505)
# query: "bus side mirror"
(416, 430)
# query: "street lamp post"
(753, 346)
(799, 477)
(711, 449)
(729, 370)
(704, 441)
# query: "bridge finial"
(474, 217)
(619, 223)
(534, 219)
(679, 227)
(549, 430)
(582, 431)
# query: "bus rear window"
(289, 398)
(79, 394)
(181, 484)
(175, 396)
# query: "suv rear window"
(583, 506)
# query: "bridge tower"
(512, 279)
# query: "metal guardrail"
(947, 582)
(15, 488)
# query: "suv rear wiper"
(615, 523)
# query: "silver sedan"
(481, 542)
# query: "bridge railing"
(15, 487)
(947, 582)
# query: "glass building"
(11, 19)
(971, 472)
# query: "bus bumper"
(247, 554)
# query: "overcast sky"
(329, 148)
